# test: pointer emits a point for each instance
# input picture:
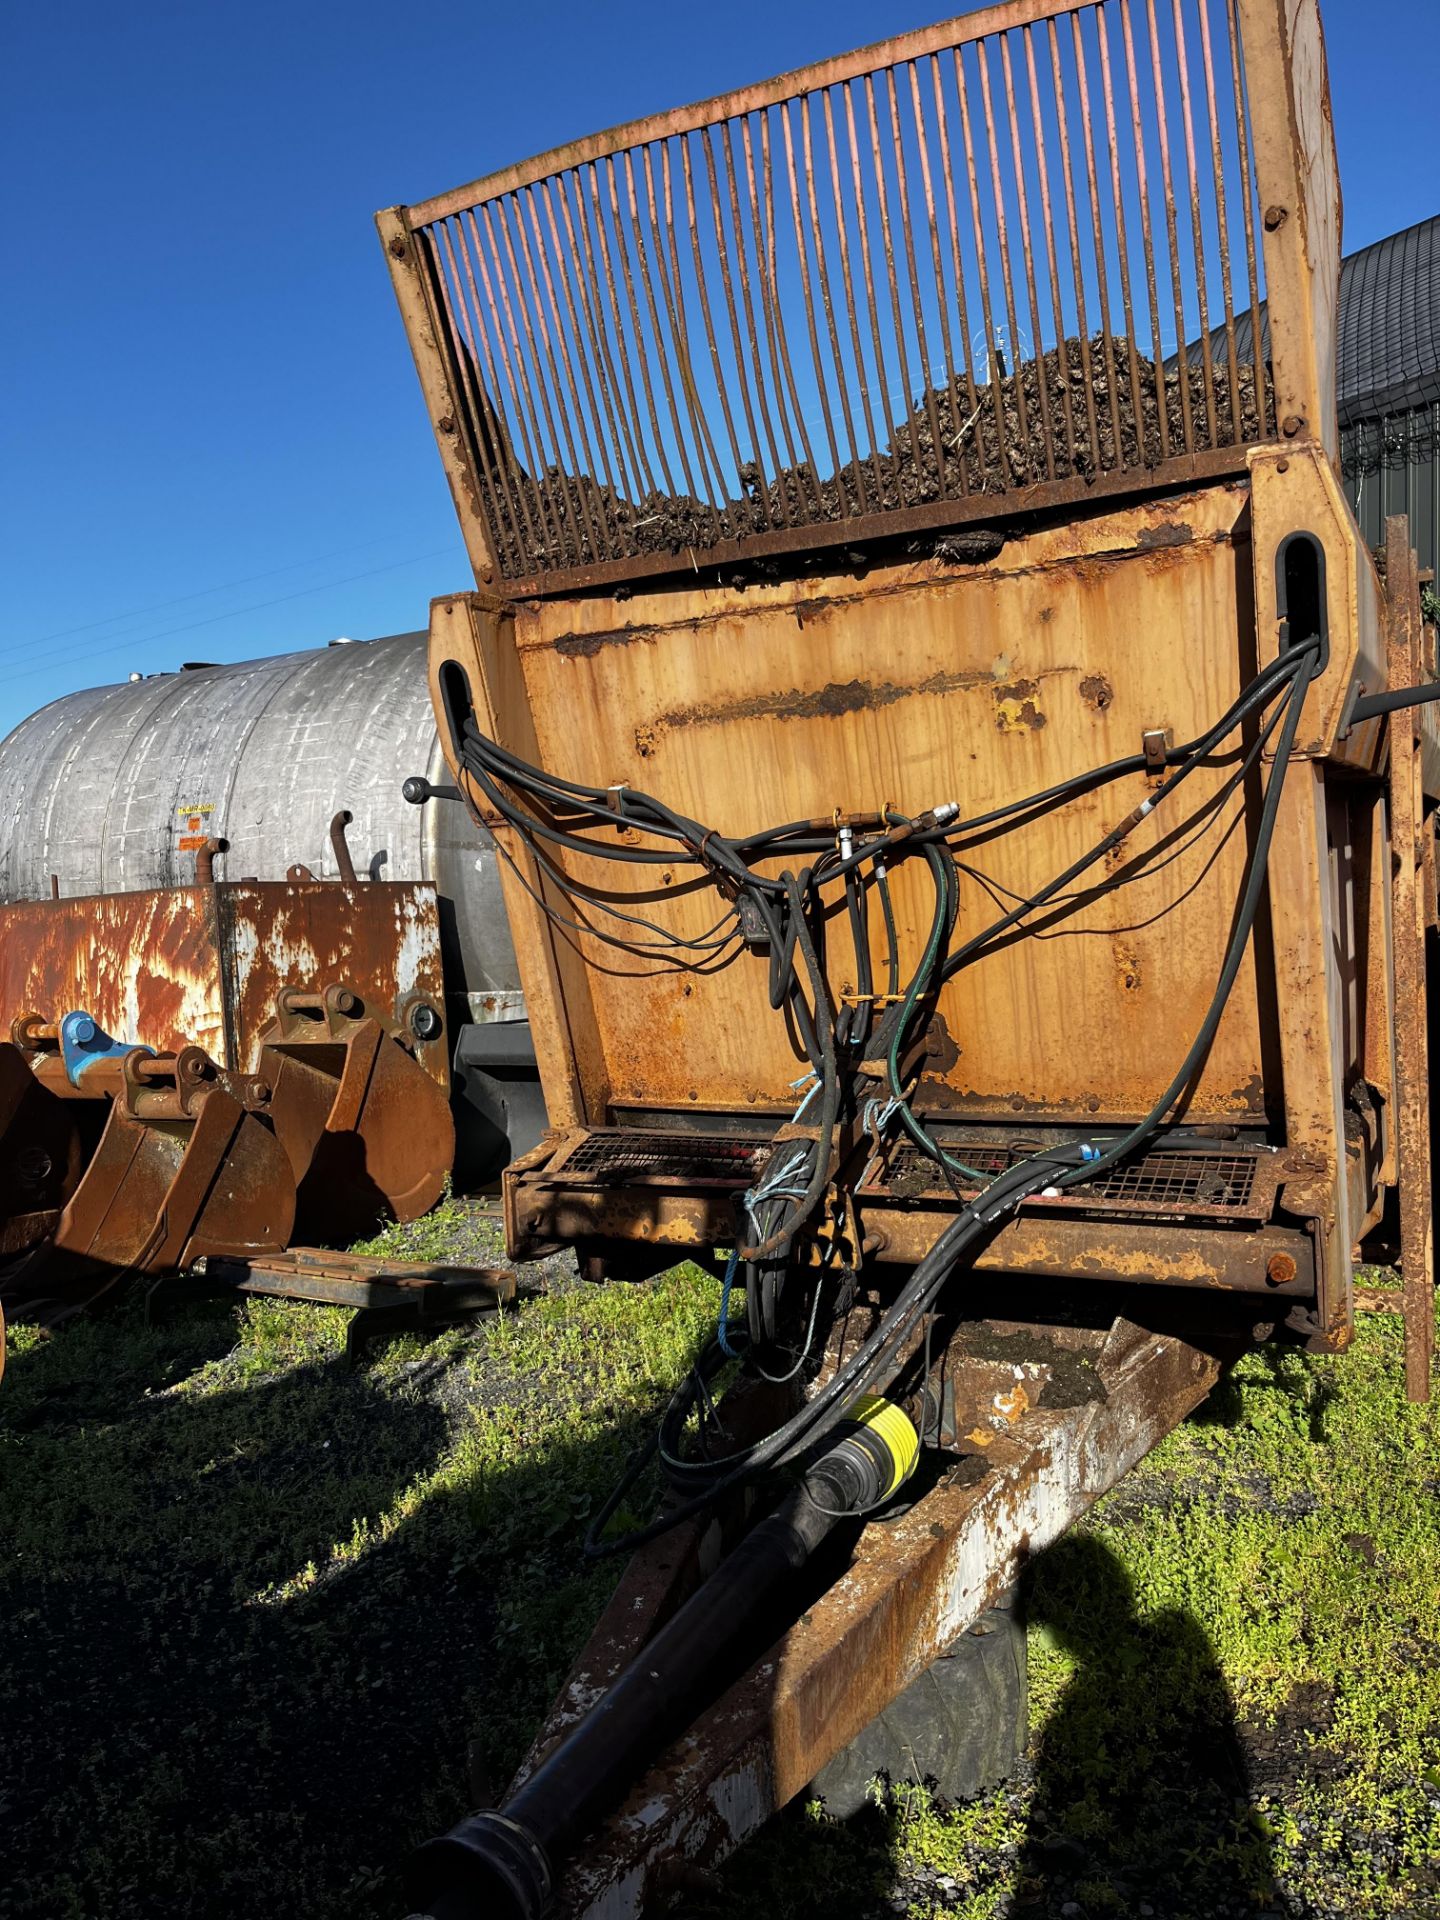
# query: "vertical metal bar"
(1047, 425)
(807, 292)
(572, 206)
(660, 351)
(1062, 356)
(1147, 240)
(1408, 918)
(1113, 142)
(752, 332)
(596, 459)
(942, 296)
(1107, 334)
(530, 480)
(1182, 357)
(993, 374)
(1067, 172)
(583, 492)
(587, 345)
(563, 483)
(774, 311)
(626, 356)
(1006, 275)
(907, 227)
(1263, 407)
(496, 480)
(1217, 161)
(851, 306)
(722, 385)
(842, 385)
(862, 229)
(957, 261)
(760, 491)
(1197, 236)
(663, 233)
(520, 481)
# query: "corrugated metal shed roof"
(1389, 356)
(1389, 348)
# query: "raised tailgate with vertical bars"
(916, 286)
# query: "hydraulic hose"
(501, 1864)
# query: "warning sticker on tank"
(194, 825)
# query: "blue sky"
(214, 444)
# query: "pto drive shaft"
(499, 1865)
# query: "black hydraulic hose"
(501, 1865)
(1373, 704)
(1065, 1164)
(1256, 695)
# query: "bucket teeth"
(42, 1154)
(180, 1169)
(367, 1131)
(117, 1161)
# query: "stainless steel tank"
(109, 790)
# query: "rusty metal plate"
(202, 966)
(382, 939)
(146, 965)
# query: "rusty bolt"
(1262, 1330)
(258, 1090)
(424, 1022)
(1275, 218)
(1280, 1269)
(346, 1002)
(1093, 1103)
(397, 248)
(1282, 466)
(446, 423)
(1292, 424)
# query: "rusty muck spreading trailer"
(964, 793)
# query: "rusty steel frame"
(566, 313)
(1411, 910)
(914, 1584)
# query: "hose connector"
(488, 1867)
(876, 1454)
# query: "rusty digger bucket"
(366, 1130)
(182, 1166)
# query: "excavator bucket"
(367, 1131)
(183, 1168)
(42, 1155)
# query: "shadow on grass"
(206, 1711)
(1300, 1396)
(1141, 1795)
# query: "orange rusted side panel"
(201, 966)
(917, 683)
(146, 965)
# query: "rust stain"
(1015, 708)
(585, 646)
(828, 702)
(1169, 533)
(1096, 691)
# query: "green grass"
(1235, 1680)
(266, 1620)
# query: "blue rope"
(723, 1330)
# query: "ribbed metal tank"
(100, 788)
